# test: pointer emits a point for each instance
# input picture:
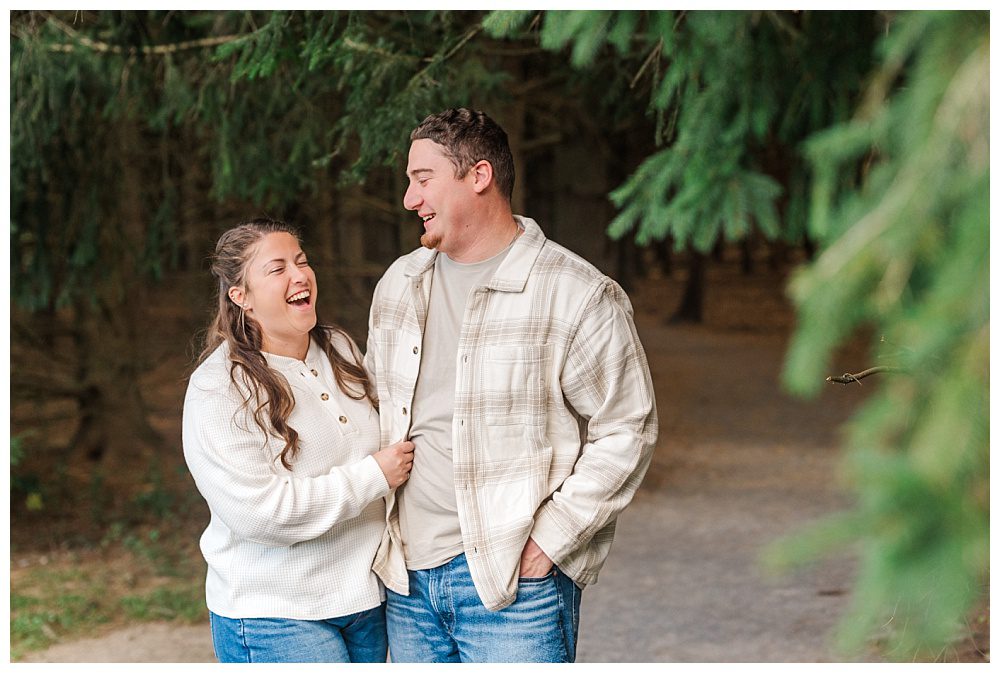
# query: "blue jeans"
(360, 637)
(444, 620)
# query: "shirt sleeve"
(235, 473)
(606, 380)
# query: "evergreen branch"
(369, 49)
(649, 59)
(468, 36)
(451, 52)
(159, 49)
(784, 25)
(856, 378)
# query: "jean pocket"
(538, 580)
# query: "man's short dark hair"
(469, 136)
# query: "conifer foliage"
(865, 132)
(906, 252)
(880, 123)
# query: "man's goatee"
(429, 240)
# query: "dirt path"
(738, 463)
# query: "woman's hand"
(396, 461)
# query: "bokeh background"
(807, 191)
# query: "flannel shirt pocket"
(515, 399)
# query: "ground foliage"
(863, 131)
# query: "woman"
(281, 436)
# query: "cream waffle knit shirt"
(297, 543)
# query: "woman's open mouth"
(300, 299)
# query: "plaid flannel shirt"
(554, 421)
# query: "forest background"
(856, 144)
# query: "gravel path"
(738, 464)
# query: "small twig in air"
(856, 378)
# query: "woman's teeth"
(298, 297)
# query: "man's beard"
(429, 240)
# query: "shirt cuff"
(374, 481)
(550, 536)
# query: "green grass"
(35, 623)
(84, 593)
(186, 603)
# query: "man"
(514, 367)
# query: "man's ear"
(238, 296)
(482, 176)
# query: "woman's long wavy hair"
(266, 389)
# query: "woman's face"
(280, 294)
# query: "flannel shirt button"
(314, 372)
(324, 397)
(415, 350)
(404, 411)
(343, 419)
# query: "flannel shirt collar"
(514, 270)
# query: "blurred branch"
(856, 378)
(655, 51)
(438, 60)
(159, 49)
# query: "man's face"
(442, 201)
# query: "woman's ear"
(482, 174)
(238, 297)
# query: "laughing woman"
(281, 437)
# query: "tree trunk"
(512, 117)
(665, 255)
(114, 427)
(625, 262)
(690, 309)
(746, 255)
(111, 328)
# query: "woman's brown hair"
(269, 391)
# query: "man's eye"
(303, 262)
(277, 269)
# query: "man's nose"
(410, 199)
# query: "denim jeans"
(443, 619)
(360, 637)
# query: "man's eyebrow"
(419, 171)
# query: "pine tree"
(891, 180)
